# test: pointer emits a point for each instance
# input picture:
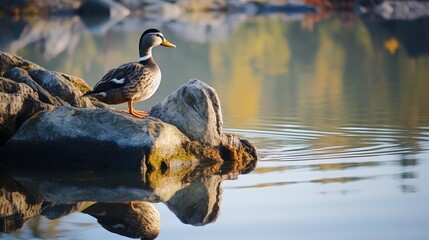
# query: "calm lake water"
(337, 106)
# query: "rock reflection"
(53, 35)
(198, 204)
(17, 204)
(120, 206)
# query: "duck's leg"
(134, 112)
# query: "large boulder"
(71, 137)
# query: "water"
(337, 106)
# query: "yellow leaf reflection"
(392, 45)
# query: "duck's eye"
(160, 35)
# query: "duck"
(134, 81)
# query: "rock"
(204, 27)
(258, 7)
(163, 11)
(64, 7)
(54, 35)
(22, 76)
(9, 61)
(18, 102)
(72, 137)
(195, 110)
(52, 87)
(26, 88)
(39, 7)
(101, 15)
(394, 10)
(202, 5)
(58, 86)
(107, 8)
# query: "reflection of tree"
(335, 76)
(257, 52)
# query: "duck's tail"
(93, 94)
(87, 94)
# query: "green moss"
(80, 84)
(158, 160)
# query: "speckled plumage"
(135, 81)
(140, 82)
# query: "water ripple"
(288, 142)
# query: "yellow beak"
(167, 44)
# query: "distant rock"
(83, 7)
(102, 7)
(394, 10)
(258, 7)
(203, 5)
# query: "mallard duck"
(134, 81)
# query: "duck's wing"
(120, 77)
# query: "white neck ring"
(144, 58)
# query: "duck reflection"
(135, 219)
(192, 194)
